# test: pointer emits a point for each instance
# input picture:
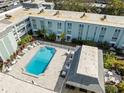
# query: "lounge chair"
(13, 62)
(37, 43)
(34, 45)
(18, 57)
(29, 46)
(68, 52)
(21, 54)
(25, 50)
(9, 69)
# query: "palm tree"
(11, 57)
(38, 33)
(44, 33)
(62, 36)
(52, 37)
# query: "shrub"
(30, 32)
(24, 40)
(111, 89)
(84, 42)
(89, 42)
(121, 87)
(52, 37)
(75, 41)
(109, 60)
(104, 45)
(11, 57)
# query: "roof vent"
(32, 0)
(83, 15)
(57, 12)
(8, 16)
(30, 13)
(104, 17)
(42, 10)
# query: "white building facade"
(8, 44)
(76, 25)
(81, 31)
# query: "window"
(49, 31)
(114, 39)
(34, 26)
(69, 26)
(34, 23)
(81, 26)
(49, 24)
(68, 38)
(19, 24)
(42, 24)
(27, 20)
(68, 32)
(28, 25)
(59, 25)
(59, 32)
(115, 35)
(101, 38)
(103, 30)
(102, 34)
(21, 30)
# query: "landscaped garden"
(112, 63)
(25, 39)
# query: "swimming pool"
(38, 64)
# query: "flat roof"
(69, 16)
(81, 78)
(91, 18)
(4, 23)
(88, 62)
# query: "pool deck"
(50, 77)
(9, 84)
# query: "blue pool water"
(40, 61)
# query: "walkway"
(9, 84)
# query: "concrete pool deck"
(50, 77)
(9, 84)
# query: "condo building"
(77, 25)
